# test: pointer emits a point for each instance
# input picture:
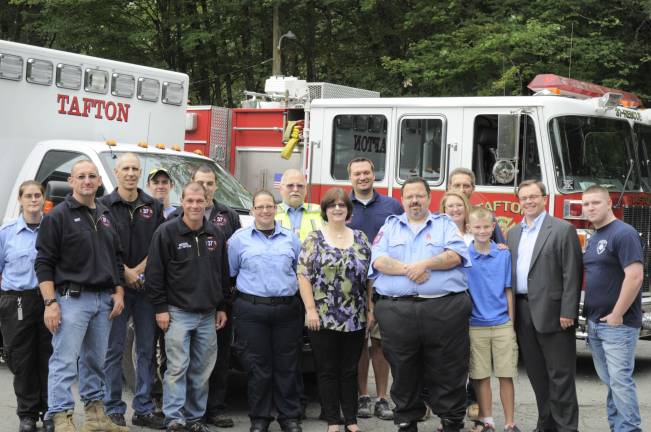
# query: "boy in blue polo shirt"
(493, 347)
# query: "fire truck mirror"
(504, 171)
(508, 131)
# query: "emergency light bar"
(11, 67)
(579, 89)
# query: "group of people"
(442, 300)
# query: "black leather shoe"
(48, 425)
(27, 424)
(259, 426)
(408, 427)
(291, 426)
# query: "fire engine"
(59, 107)
(570, 135)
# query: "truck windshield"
(594, 150)
(229, 190)
(643, 134)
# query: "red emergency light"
(579, 89)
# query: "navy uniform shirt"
(264, 266)
(17, 254)
(609, 251)
(370, 217)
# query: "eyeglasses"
(297, 186)
(529, 197)
(336, 205)
(264, 207)
(82, 177)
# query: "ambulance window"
(358, 136)
(56, 165)
(485, 146)
(421, 148)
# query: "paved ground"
(591, 398)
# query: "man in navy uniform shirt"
(370, 210)
(423, 309)
(613, 305)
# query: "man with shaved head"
(80, 274)
(136, 215)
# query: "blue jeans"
(613, 354)
(83, 334)
(191, 349)
(137, 305)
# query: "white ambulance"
(58, 107)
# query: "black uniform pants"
(550, 361)
(268, 341)
(27, 346)
(427, 343)
(218, 381)
(336, 354)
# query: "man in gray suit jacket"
(547, 270)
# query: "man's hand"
(370, 322)
(163, 320)
(312, 320)
(502, 246)
(52, 317)
(417, 272)
(613, 319)
(118, 303)
(566, 322)
(132, 278)
(220, 320)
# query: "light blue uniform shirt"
(17, 255)
(525, 251)
(397, 240)
(264, 266)
(295, 216)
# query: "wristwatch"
(48, 302)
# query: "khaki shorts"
(493, 349)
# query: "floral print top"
(338, 277)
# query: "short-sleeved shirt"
(17, 255)
(264, 266)
(397, 240)
(338, 277)
(488, 277)
(369, 217)
(609, 251)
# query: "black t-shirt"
(609, 251)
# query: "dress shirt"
(525, 251)
(295, 216)
(17, 255)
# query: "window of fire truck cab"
(358, 135)
(484, 153)
(421, 148)
(643, 133)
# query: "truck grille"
(640, 219)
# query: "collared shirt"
(264, 266)
(295, 216)
(369, 217)
(488, 277)
(397, 240)
(17, 255)
(525, 251)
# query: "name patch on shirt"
(183, 245)
(211, 244)
(145, 213)
(76, 219)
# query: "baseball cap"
(153, 173)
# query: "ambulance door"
(348, 133)
(496, 177)
(427, 139)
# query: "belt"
(524, 297)
(33, 292)
(264, 300)
(413, 298)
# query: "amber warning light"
(579, 89)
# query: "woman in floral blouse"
(332, 275)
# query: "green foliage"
(398, 47)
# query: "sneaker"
(118, 419)
(364, 407)
(382, 410)
(511, 428)
(176, 427)
(485, 427)
(198, 426)
(149, 420)
(220, 420)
